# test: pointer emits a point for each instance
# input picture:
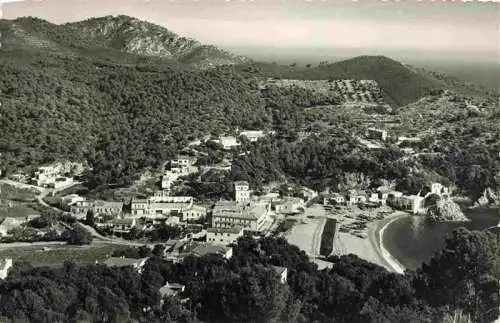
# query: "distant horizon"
(450, 28)
(457, 30)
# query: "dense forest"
(246, 289)
(120, 118)
(318, 162)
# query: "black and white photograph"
(249, 161)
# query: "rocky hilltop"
(119, 33)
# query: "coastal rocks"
(489, 197)
(445, 210)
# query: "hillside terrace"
(350, 91)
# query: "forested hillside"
(77, 96)
(121, 117)
(246, 288)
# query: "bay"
(413, 239)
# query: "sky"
(467, 30)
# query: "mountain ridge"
(400, 83)
(125, 38)
(119, 33)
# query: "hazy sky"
(468, 29)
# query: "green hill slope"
(401, 84)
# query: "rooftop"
(187, 157)
(139, 201)
(108, 204)
(227, 138)
(241, 183)
(170, 289)
(168, 205)
(125, 221)
(202, 250)
(198, 208)
(234, 230)
(238, 210)
(252, 133)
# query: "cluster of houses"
(229, 142)
(383, 196)
(56, 175)
(230, 220)
(161, 206)
(181, 166)
(382, 135)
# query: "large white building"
(196, 212)
(229, 214)
(253, 135)
(241, 191)
(438, 188)
(224, 236)
(289, 205)
(109, 208)
(182, 164)
(163, 204)
(81, 207)
(228, 142)
(53, 174)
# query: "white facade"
(194, 213)
(73, 198)
(229, 214)
(241, 191)
(290, 205)
(335, 199)
(105, 207)
(81, 207)
(224, 236)
(161, 204)
(228, 142)
(183, 165)
(48, 175)
(167, 180)
(164, 196)
(252, 135)
(417, 204)
(438, 188)
(123, 225)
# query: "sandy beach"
(371, 247)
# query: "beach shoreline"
(378, 235)
(371, 248)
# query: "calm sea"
(413, 240)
